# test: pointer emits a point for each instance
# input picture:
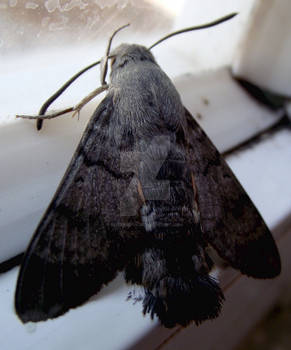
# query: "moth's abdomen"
(177, 291)
(181, 301)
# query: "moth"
(148, 193)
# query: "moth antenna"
(104, 61)
(50, 100)
(202, 26)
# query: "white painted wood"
(265, 50)
(109, 322)
(226, 112)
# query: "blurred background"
(52, 39)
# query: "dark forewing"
(230, 221)
(80, 242)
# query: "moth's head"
(126, 53)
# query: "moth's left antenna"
(104, 63)
(49, 101)
(104, 60)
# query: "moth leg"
(76, 109)
(104, 60)
(88, 98)
(46, 116)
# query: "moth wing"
(230, 222)
(81, 241)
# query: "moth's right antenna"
(202, 26)
(104, 60)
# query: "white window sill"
(110, 322)
(33, 164)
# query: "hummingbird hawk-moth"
(146, 192)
